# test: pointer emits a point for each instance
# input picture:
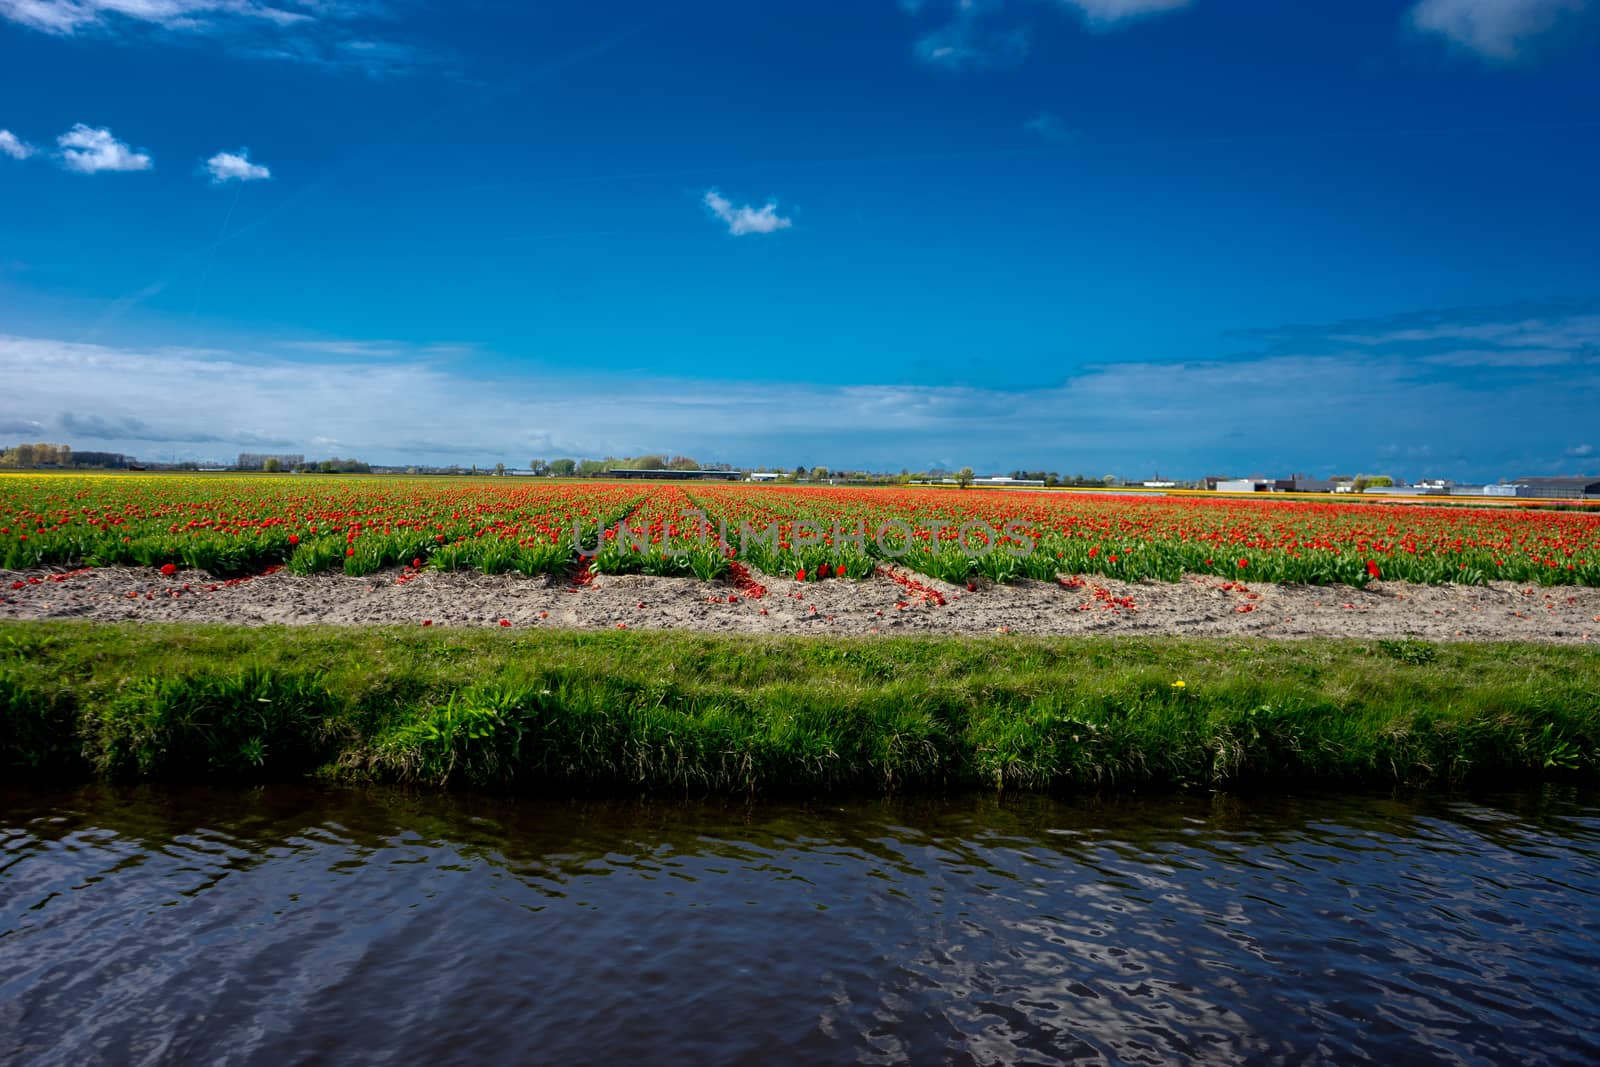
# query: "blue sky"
(1186, 236)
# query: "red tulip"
(169, 569)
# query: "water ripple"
(289, 924)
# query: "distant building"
(1255, 484)
(1002, 481)
(765, 476)
(1562, 488)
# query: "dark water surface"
(292, 924)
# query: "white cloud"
(65, 17)
(235, 167)
(1106, 12)
(1494, 29)
(746, 219)
(965, 43)
(1503, 357)
(333, 34)
(446, 410)
(89, 150)
(1050, 127)
(383, 349)
(994, 33)
(14, 146)
(1581, 451)
(1565, 331)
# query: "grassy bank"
(689, 713)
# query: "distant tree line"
(341, 466)
(47, 455)
(297, 463)
(592, 468)
(255, 461)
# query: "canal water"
(291, 924)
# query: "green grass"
(569, 712)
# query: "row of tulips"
(231, 526)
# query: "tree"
(819, 474)
(499, 469)
(799, 472)
(538, 466)
(37, 455)
(343, 466)
(271, 465)
(563, 468)
(964, 479)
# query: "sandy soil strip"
(1197, 606)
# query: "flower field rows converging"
(237, 526)
(233, 526)
(962, 536)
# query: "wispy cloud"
(1511, 329)
(235, 167)
(1315, 404)
(382, 349)
(1050, 127)
(65, 17)
(745, 219)
(327, 34)
(995, 33)
(26, 429)
(14, 146)
(967, 42)
(1500, 30)
(88, 150)
(1102, 13)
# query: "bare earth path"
(1197, 606)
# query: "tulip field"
(234, 526)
